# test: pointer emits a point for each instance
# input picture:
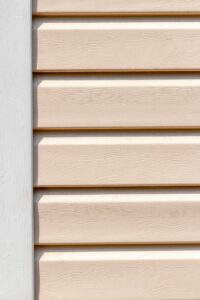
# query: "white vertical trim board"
(16, 238)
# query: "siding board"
(116, 102)
(117, 159)
(118, 273)
(62, 45)
(117, 216)
(59, 7)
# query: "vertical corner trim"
(16, 221)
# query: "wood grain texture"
(49, 7)
(117, 159)
(117, 216)
(16, 222)
(118, 273)
(116, 44)
(120, 102)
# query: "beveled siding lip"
(116, 138)
(128, 23)
(117, 253)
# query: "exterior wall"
(116, 149)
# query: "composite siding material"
(117, 159)
(117, 216)
(67, 163)
(48, 7)
(116, 101)
(116, 44)
(118, 273)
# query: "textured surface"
(116, 149)
(117, 159)
(16, 238)
(141, 45)
(120, 101)
(117, 216)
(118, 273)
(116, 6)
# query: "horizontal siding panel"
(86, 102)
(117, 159)
(117, 216)
(116, 44)
(47, 7)
(118, 273)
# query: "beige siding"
(116, 149)
(116, 273)
(117, 159)
(116, 7)
(78, 102)
(116, 44)
(117, 216)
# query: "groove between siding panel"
(116, 44)
(117, 159)
(117, 216)
(118, 273)
(121, 102)
(116, 7)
